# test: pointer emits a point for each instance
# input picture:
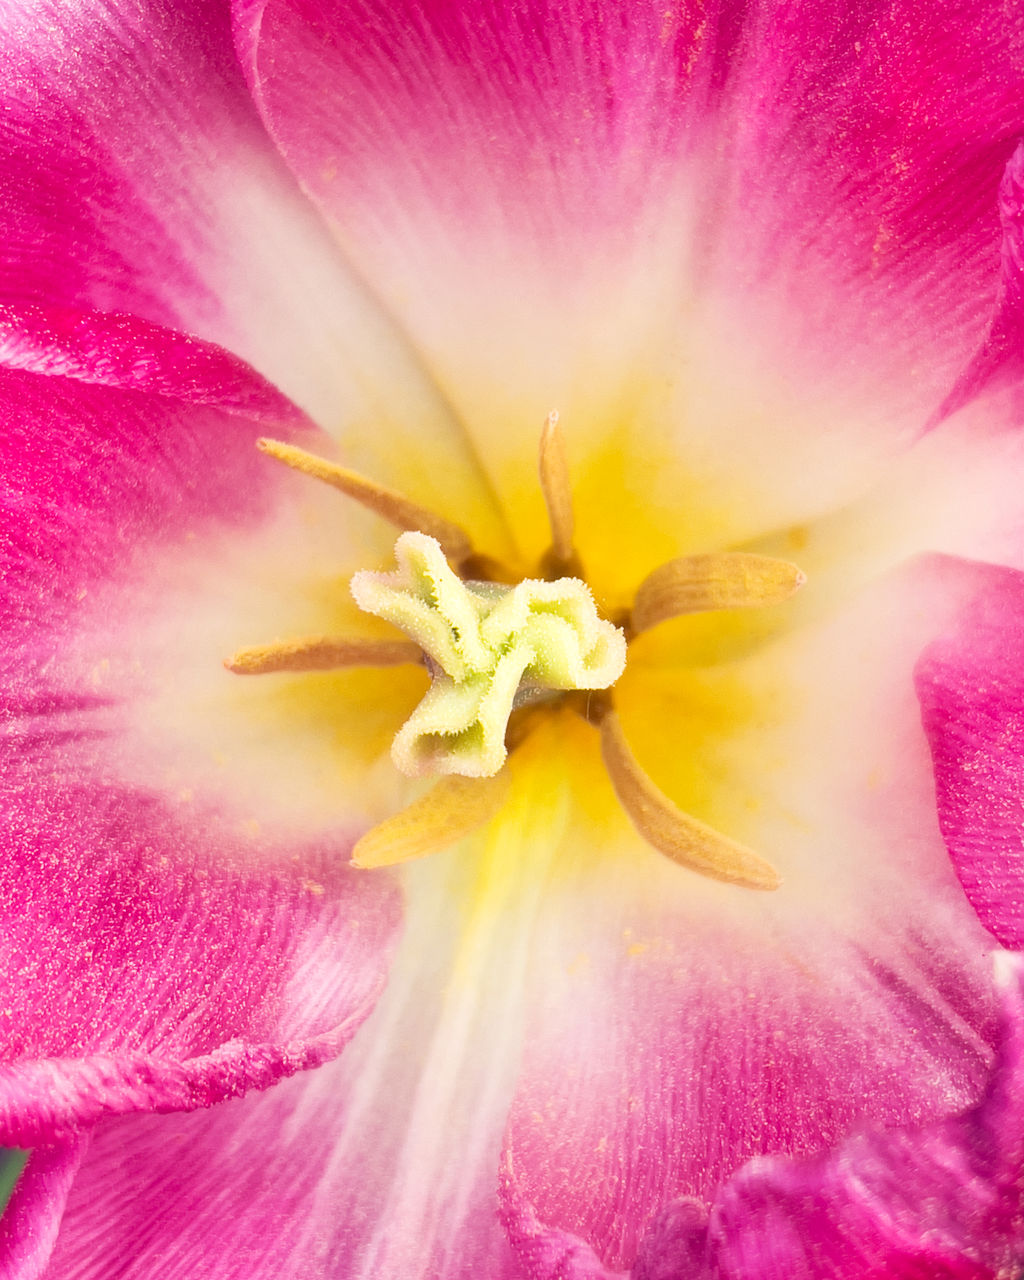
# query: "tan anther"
(727, 580)
(553, 466)
(684, 839)
(453, 808)
(390, 505)
(321, 653)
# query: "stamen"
(489, 647)
(390, 505)
(728, 580)
(685, 840)
(321, 653)
(557, 489)
(453, 808)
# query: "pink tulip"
(765, 260)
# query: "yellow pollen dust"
(497, 647)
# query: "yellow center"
(507, 655)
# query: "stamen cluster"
(490, 647)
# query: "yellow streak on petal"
(390, 505)
(453, 808)
(321, 653)
(727, 580)
(556, 487)
(681, 838)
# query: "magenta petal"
(971, 688)
(943, 1202)
(251, 1190)
(546, 1253)
(123, 351)
(870, 143)
(1003, 349)
(29, 1225)
(150, 965)
(116, 120)
(114, 434)
(572, 116)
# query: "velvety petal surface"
(137, 177)
(684, 1026)
(156, 954)
(940, 1200)
(301, 1183)
(943, 1201)
(761, 239)
(972, 694)
(381, 1164)
(148, 973)
(32, 1218)
(111, 425)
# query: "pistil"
(488, 647)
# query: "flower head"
(765, 259)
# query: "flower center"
(489, 648)
(502, 652)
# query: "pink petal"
(1003, 349)
(31, 1220)
(942, 1202)
(971, 687)
(685, 1027)
(246, 1191)
(870, 142)
(117, 432)
(764, 243)
(911, 1203)
(117, 117)
(153, 965)
(138, 178)
(156, 955)
(131, 354)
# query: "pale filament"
(321, 653)
(454, 807)
(390, 505)
(679, 836)
(553, 466)
(725, 580)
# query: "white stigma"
(489, 647)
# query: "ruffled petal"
(941, 1201)
(148, 968)
(31, 1220)
(971, 687)
(379, 1166)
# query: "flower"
(764, 260)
